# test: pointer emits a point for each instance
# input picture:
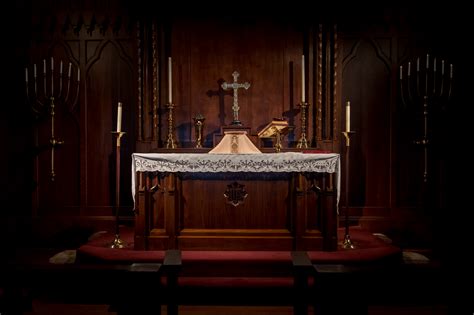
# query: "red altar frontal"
(274, 201)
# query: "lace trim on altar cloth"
(258, 163)
(226, 163)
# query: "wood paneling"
(109, 80)
(189, 211)
(367, 64)
(266, 53)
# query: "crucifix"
(235, 85)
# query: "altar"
(269, 201)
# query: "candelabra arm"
(347, 137)
(450, 88)
(402, 96)
(27, 92)
(410, 96)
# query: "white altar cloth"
(287, 162)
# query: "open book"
(277, 125)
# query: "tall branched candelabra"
(427, 86)
(48, 90)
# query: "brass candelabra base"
(117, 243)
(347, 243)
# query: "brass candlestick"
(170, 143)
(117, 243)
(347, 243)
(302, 142)
(199, 126)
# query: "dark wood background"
(122, 49)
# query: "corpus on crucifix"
(235, 86)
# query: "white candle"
(34, 70)
(409, 68)
(348, 116)
(52, 64)
(61, 68)
(26, 74)
(303, 98)
(119, 117)
(44, 66)
(69, 71)
(442, 67)
(451, 71)
(78, 75)
(170, 78)
(417, 64)
(427, 61)
(401, 72)
(434, 65)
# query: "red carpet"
(369, 248)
